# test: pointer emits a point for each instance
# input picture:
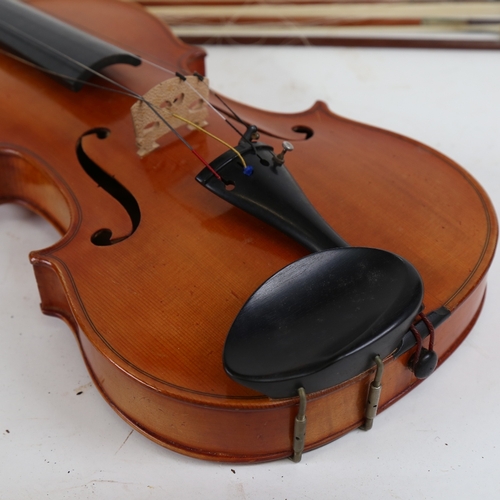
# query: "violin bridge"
(170, 104)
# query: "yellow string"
(201, 129)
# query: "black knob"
(425, 364)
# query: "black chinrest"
(321, 320)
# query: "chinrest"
(321, 320)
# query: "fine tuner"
(280, 158)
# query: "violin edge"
(216, 409)
(190, 436)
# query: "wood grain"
(151, 313)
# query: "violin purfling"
(253, 305)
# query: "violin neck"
(61, 50)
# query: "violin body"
(151, 312)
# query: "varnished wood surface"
(419, 448)
(135, 347)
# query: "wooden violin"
(218, 311)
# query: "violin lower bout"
(251, 429)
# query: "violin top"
(152, 311)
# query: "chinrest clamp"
(299, 433)
(373, 396)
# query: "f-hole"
(103, 237)
(303, 129)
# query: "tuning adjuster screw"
(280, 159)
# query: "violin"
(234, 299)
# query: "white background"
(440, 442)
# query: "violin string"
(212, 136)
(228, 107)
(125, 91)
(202, 79)
(116, 91)
(65, 56)
(175, 73)
(62, 54)
(163, 68)
(235, 116)
(60, 75)
(141, 98)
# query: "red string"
(207, 165)
(418, 339)
(430, 327)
